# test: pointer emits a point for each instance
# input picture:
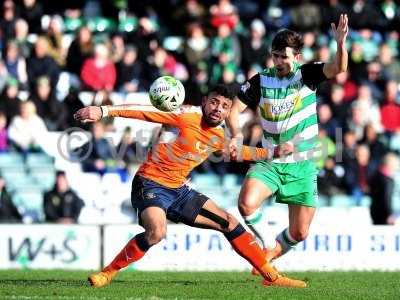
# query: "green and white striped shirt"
(287, 107)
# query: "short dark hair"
(287, 38)
(222, 90)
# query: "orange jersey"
(170, 163)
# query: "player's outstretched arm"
(89, 114)
(248, 153)
(339, 64)
(96, 113)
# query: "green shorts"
(292, 183)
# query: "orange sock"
(247, 247)
(134, 250)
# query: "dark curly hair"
(287, 38)
(222, 90)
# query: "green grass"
(27, 284)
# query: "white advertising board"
(327, 248)
(49, 246)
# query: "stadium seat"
(10, 160)
(30, 202)
(341, 201)
(230, 181)
(39, 160)
(206, 180)
(365, 201)
(45, 177)
(16, 179)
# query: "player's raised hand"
(88, 114)
(340, 32)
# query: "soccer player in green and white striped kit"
(285, 97)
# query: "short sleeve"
(313, 74)
(250, 91)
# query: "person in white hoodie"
(27, 128)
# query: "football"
(167, 93)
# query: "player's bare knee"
(245, 209)
(155, 235)
(299, 234)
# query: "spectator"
(390, 110)
(32, 12)
(309, 49)
(168, 65)
(129, 72)
(196, 46)
(7, 22)
(369, 42)
(61, 204)
(191, 11)
(197, 86)
(375, 81)
(357, 61)
(54, 37)
(145, 38)
(117, 48)
(226, 53)
(27, 129)
(364, 15)
(48, 107)
(101, 153)
(131, 150)
(224, 12)
(323, 54)
(348, 85)
(368, 109)
(330, 178)
(331, 12)
(80, 49)
(390, 64)
(327, 121)
(254, 50)
(375, 143)
(42, 64)
(9, 101)
(349, 148)
(15, 63)
(381, 191)
(325, 148)
(98, 73)
(21, 38)
(72, 103)
(358, 173)
(306, 16)
(337, 105)
(391, 13)
(8, 211)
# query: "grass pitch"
(58, 284)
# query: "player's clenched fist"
(88, 114)
(284, 149)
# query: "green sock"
(258, 225)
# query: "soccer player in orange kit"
(160, 192)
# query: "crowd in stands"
(53, 52)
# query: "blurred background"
(58, 57)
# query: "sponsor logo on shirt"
(279, 108)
